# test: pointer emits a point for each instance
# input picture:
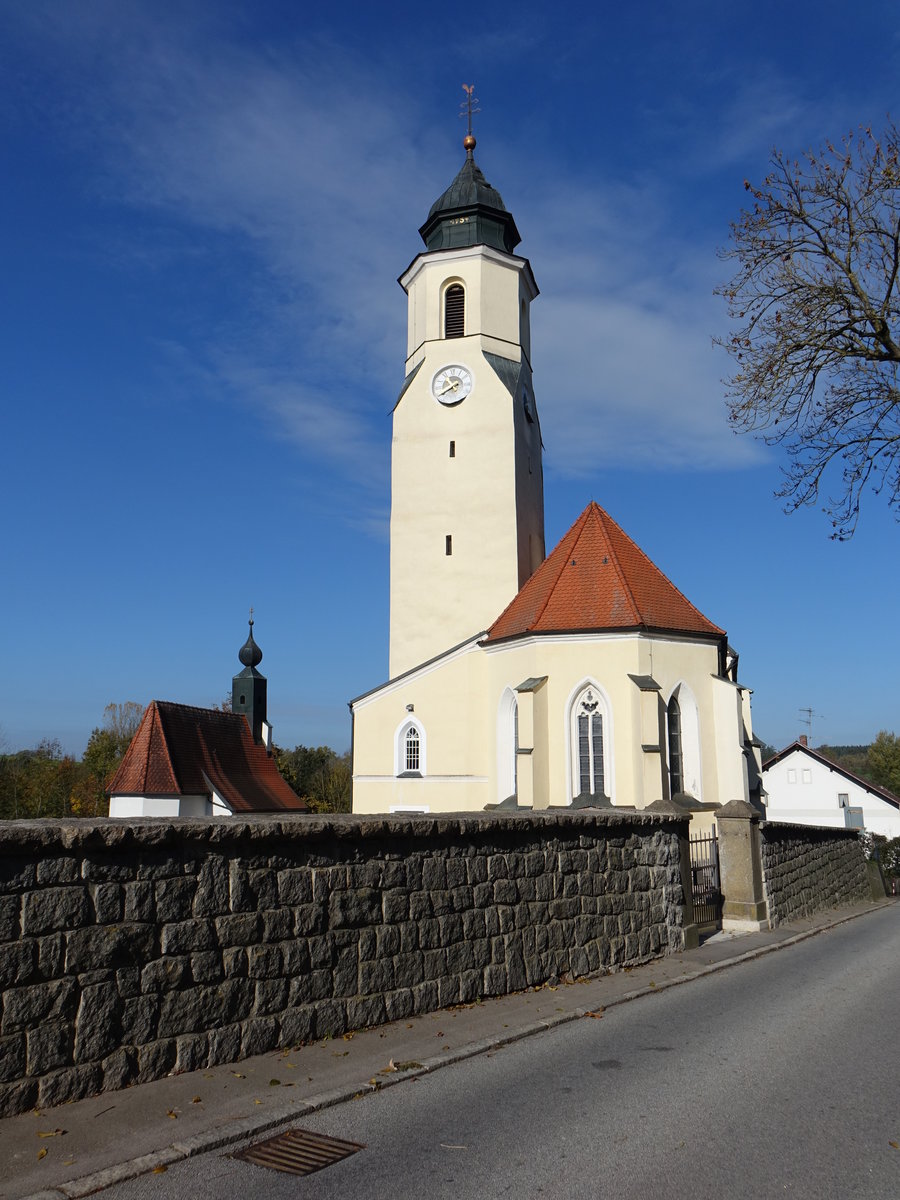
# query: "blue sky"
(204, 212)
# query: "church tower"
(467, 503)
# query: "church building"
(582, 677)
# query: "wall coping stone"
(122, 833)
(793, 827)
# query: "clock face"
(451, 384)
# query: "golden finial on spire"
(467, 111)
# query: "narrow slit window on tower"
(455, 311)
(453, 449)
(448, 545)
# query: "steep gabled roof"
(183, 751)
(598, 579)
(798, 747)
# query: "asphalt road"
(776, 1077)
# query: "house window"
(843, 799)
(448, 544)
(454, 311)
(588, 744)
(807, 775)
(792, 775)
(676, 768)
(453, 449)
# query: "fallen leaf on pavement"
(412, 1065)
(349, 1036)
(160, 1170)
(42, 1153)
(896, 1145)
(50, 1132)
(238, 1075)
(596, 1015)
(173, 1114)
(274, 1083)
(651, 984)
(196, 1100)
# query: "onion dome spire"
(470, 212)
(250, 654)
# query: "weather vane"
(251, 614)
(468, 107)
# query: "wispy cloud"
(311, 169)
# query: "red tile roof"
(598, 579)
(184, 751)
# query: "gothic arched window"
(588, 745)
(409, 748)
(455, 311)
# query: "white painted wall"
(804, 791)
(165, 806)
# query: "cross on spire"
(469, 107)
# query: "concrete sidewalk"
(79, 1148)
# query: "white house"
(584, 676)
(805, 788)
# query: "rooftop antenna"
(468, 107)
(807, 719)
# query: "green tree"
(817, 309)
(319, 775)
(102, 755)
(884, 761)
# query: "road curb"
(249, 1127)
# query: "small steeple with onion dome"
(248, 688)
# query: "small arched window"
(455, 311)
(409, 748)
(676, 761)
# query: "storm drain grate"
(298, 1152)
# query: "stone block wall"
(809, 868)
(130, 950)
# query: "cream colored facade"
(464, 706)
(463, 721)
(467, 508)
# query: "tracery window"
(588, 731)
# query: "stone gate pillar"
(740, 867)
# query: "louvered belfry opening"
(455, 311)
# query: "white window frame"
(403, 728)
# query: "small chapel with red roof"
(581, 678)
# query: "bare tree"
(817, 342)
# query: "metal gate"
(707, 894)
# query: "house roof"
(183, 751)
(597, 578)
(872, 788)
